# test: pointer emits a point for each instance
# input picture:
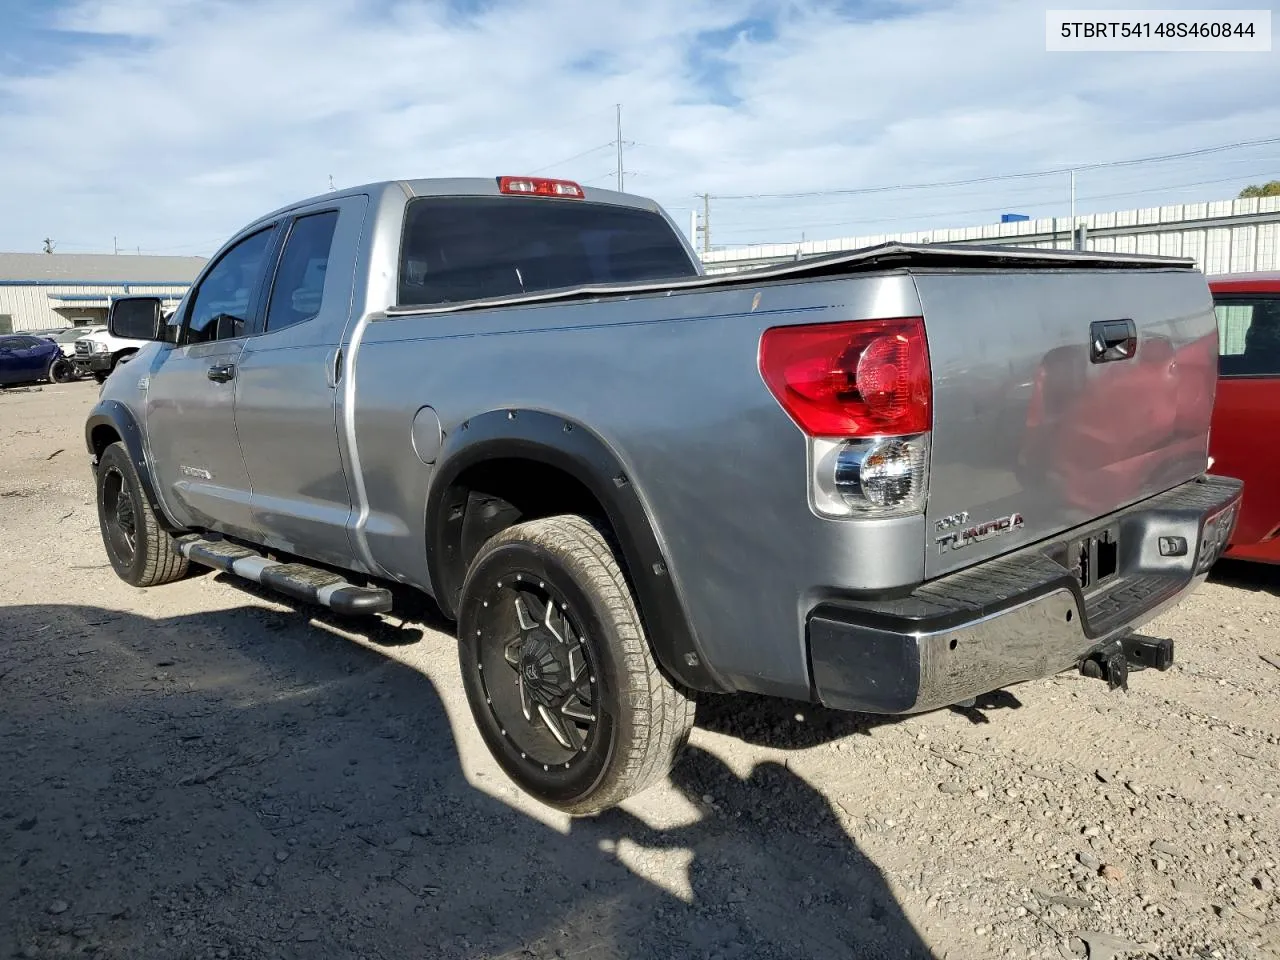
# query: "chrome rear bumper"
(1020, 617)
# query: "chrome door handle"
(222, 372)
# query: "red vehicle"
(1245, 441)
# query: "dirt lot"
(200, 771)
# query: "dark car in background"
(1246, 413)
(25, 358)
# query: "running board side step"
(296, 580)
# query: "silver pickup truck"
(886, 481)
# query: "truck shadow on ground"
(1258, 577)
(240, 784)
(758, 720)
(796, 725)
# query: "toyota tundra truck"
(888, 480)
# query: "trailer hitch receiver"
(1113, 661)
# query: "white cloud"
(169, 123)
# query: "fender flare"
(114, 414)
(574, 449)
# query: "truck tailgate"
(1034, 433)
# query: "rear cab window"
(1248, 335)
(467, 248)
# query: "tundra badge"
(959, 539)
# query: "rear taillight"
(540, 187)
(863, 394)
(851, 379)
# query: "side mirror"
(135, 318)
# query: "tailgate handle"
(1112, 340)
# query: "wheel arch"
(506, 466)
(111, 421)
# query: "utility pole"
(1075, 242)
(620, 175)
(332, 188)
(706, 223)
(115, 246)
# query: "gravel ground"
(203, 771)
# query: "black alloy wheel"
(120, 515)
(536, 672)
(558, 672)
(61, 370)
(141, 551)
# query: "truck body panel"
(714, 457)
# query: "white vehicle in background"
(100, 352)
(66, 339)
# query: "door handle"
(222, 372)
(1111, 340)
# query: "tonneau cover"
(885, 256)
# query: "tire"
(548, 629)
(141, 553)
(61, 370)
(101, 377)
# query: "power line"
(1057, 171)
(740, 220)
(576, 156)
(1003, 207)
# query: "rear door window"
(1248, 335)
(466, 248)
(299, 284)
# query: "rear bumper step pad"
(296, 580)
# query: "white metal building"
(1222, 236)
(41, 291)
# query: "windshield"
(74, 333)
(467, 248)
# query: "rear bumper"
(1019, 617)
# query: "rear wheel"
(558, 671)
(140, 551)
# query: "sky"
(165, 125)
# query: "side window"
(220, 309)
(1248, 336)
(299, 285)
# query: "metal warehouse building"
(1222, 236)
(41, 291)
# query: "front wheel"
(61, 370)
(141, 552)
(558, 672)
